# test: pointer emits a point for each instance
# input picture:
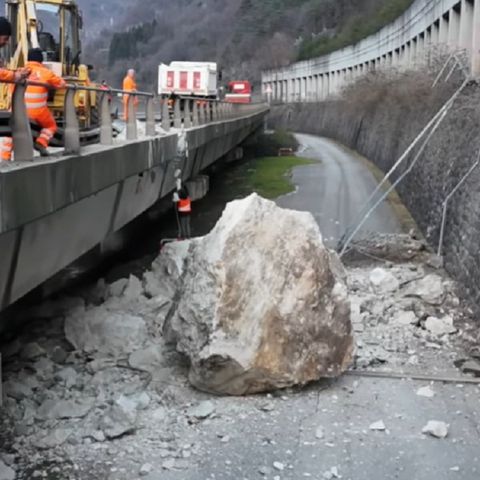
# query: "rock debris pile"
(93, 388)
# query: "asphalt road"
(334, 189)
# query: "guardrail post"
(211, 110)
(195, 114)
(150, 127)
(132, 118)
(187, 123)
(203, 114)
(214, 112)
(208, 114)
(72, 128)
(20, 126)
(177, 115)
(106, 136)
(166, 124)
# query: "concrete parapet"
(54, 211)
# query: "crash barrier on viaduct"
(54, 210)
(429, 28)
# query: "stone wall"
(380, 123)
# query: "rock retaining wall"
(381, 128)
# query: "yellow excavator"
(53, 26)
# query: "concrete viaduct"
(54, 210)
(428, 28)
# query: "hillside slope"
(243, 36)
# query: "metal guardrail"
(187, 112)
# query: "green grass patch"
(270, 176)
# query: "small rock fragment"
(98, 436)
(472, 367)
(54, 439)
(147, 360)
(17, 390)
(202, 410)
(406, 318)
(118, 421)
(440, 326)
(61, 409)
(6, 473)
(145, 469)
(378, 426)
(436, 429)
(332, 473)
(430, 289)
(319, 433)
(31, 351)
(139, 401)
(265, 471)
(169, 464)
(117, 288)
(68, 376)
(267, 407)
(59, 355)
(426, 392)
(383, 281)
(278, 466)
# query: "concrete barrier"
(427, 28)
(53, 211)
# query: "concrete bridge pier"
(476, 41)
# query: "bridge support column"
(476, 40)
(435, 34)
(443, 30)
(453, 29)
(466, 25)
(413, 52)
(421, 49)
(320, 87)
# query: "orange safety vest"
(185, 205)
(129, 85)
(36, 97)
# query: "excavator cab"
(53, 26)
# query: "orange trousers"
(125, 106)
(44, 118)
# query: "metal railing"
(183, 112)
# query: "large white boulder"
(261, 303)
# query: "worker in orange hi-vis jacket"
(36, 98)
(129, 85)
(8, 76)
